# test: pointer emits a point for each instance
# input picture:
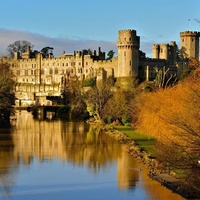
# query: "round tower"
(164, 51)
(128, 53)
(190, 44)
(155, 51)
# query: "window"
(26, 72)
(56, 70)
(50, 71)
(18, 72)
(42, 71)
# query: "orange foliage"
(172, 116)
(194, 63)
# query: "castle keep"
(39, 78)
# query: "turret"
(155, 51)
(128, 53)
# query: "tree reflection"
(77, 143)
(7, 160)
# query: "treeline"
(172, 116)
(7, 96)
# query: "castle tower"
(156, 51)
(128, 53)
(164, 51)
(190, 44)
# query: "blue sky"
(69, 25)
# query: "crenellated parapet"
(190, 33)
(128, 39)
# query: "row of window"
(64, 64)
(56, 71)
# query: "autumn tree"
(6, 93)
(193, 63)
(97, 97)
(18, 46)
(116, 107)
(73, 98)
(121, 105)
(172, 116)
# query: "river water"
(55, 159)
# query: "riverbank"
(157, 171)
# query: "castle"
(39, 78)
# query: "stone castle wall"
(39, 77)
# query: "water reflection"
(8, 163)
(73, 141)
(76, 143)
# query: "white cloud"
(59, 44)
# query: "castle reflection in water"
(77, 143)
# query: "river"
(55, 159)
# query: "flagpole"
(190, 24)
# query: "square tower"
(190, 44)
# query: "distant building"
(38, 78)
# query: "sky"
(73, 25)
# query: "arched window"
(50, 71)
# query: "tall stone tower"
(190, 43)
(128, 53)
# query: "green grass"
(145, 142)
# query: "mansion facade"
(38, 78)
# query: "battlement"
(133, 32)
(128, 36)
(190, 33)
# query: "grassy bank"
(146, 143)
